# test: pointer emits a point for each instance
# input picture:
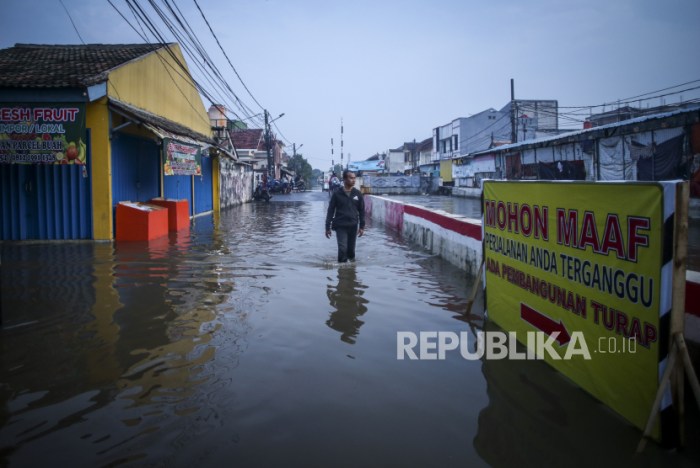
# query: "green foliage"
(299, 165)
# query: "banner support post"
(678, 357)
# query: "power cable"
(187, 49)
(195, 51)
(71, 22)
(226, 55)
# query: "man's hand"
(361, 232)
(328, 233)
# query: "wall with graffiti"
(236, 183)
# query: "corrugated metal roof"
(581, 134)
(65, 66)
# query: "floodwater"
(242, 343)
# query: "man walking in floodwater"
(345, 210)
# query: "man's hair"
(346, 172)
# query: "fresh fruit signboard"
(181, 158)
(42, 133)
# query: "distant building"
(373, 165)
(426, 163)
(251, 148)
(489, 128)
(410, 157)
(628, 112)
(395, 161)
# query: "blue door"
(203, 188)
(135, 169)
(178, 187)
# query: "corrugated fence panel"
(203, 188)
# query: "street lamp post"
(294, 148)
(294, 167)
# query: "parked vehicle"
(277, 186)
(298, 184)
(261, 193)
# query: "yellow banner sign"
(577, 259)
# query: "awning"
(163, 134)
(160, 126)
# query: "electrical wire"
(215, 80)
(144, 19)
(226, 55)
(71, 22)
(166, 48)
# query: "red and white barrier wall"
(458, 240)
(455, 238)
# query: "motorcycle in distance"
(298, 185)
(261, 193)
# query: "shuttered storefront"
(45, 201)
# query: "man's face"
(350, 179)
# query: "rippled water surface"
(242, 343)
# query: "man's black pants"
(346, 236)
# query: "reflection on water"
(346, 299)
(220, 346)
(531, 411)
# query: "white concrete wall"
(458, 249)
(438, 232)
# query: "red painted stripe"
(459, 226)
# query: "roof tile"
(249, 138)
(64, 66)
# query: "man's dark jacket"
(346, 210)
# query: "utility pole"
(513, 133)
(341, 143)
(294, 149)
(267, 145)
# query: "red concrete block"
(141, 221)
(178, 212)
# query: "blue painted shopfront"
(46, 201)
(204, 201)
(135, 169)
(178, 187)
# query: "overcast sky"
(394, 70)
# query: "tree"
(300, 166)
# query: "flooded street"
(242, 343)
